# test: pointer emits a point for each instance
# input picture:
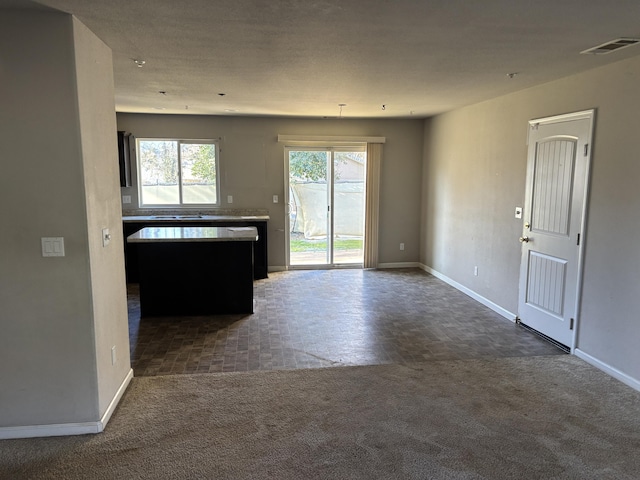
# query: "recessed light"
(229, 110)
(512, 75)
(139, 63)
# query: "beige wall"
(52, 141)
(102, 192)
(474, 177)
(252, 168)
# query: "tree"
(202, 156)
(311, 166)
(159, 162)
(308, 166)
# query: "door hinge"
(571, 324)
(578, 242)
(586, 149)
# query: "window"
(178, 172)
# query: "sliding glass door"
(326, 195)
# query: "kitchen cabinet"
(126, 151)
(195, 270)
(132, 224)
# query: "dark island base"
(260, 262)
(195, 278)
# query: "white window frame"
(179, 205)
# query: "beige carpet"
(516, 418)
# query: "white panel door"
(554, 218)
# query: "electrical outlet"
(275, 199)
(126, 199)
(475, 270)
(113, 355)
(229, 198)
(402, 246)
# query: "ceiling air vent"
(611, 46)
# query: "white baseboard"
(399, 265)
(64, 429)
(277, 268)
(116, 399)
(53, 430)
(479, 298)
(608, 369)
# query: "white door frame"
(332, 147)
(588, 115)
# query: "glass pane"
(159, 172)
(308, 207)
(198, 173)
(348, 208)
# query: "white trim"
(398, 265)
(116, 399)
(479, 298)
(331, 140)
(590, 114)
(564, 117)
(608, 369)
(64, 429)
(54, 430)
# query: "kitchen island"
(195, 270)
(133, 223)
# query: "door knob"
(524, 239)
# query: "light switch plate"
(52, 246)
(126, 199)
(275, 199)
(229, 198)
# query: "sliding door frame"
(330, 225)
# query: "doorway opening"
(326, 192)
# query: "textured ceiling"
(305, 57)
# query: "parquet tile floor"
(320, 318)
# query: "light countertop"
(194, 234)
(194, 218)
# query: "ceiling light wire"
(341, 105)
